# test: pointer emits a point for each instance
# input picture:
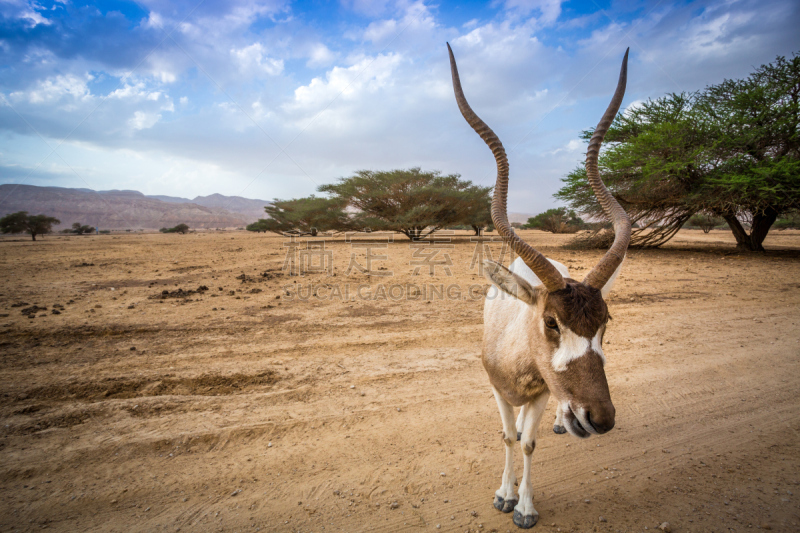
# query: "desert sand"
(270, 402)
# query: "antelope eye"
(551, 323)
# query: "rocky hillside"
(129, 209)
(234, 204)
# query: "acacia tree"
(80, 229)
(705, 222)
(411, 202)
(305, 216)
(261, 225)
(180, 228)
(730, 150)
(656, 159)
(22, 222)
(557, 220)
(756, 122)
(477, 208)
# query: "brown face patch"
(579, 307)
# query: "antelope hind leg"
(505, 498)
(525, 515)
(520, 422)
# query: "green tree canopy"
(80, 229)
(22, 222)
(477, 205)
(556, 220)
(180, 228)
(306, 215)
(411, 201)
(732, 150)
(261, 225)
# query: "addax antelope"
(543, 331)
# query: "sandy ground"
(255, 405)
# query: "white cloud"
(142, 120)
(320, 56)
(346, 83)
(380, 30)
(34, 18)
(55, 88)
(574, 145)
(549, 9)
(128, 91)
(254, 57)
(417, 19)
(184, 100)
(367, 7)
(154, 20)
(27, 11)
(633, 105)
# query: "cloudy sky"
(270, 99)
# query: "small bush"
(601, 238)
(557, 220)
(790, 221)
(180, 228)
(704, 222)
(81, 229)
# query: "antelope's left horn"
(601, 273)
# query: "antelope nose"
(602, 418)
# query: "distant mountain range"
(129, 209)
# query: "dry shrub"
(591, 240)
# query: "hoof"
(505, 506)
(525, 522)
(559, 429)
(519, 436)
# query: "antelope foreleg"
(525, 515)
(558, 426)
(505, 498)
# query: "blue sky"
(272, 99)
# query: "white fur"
(573, 346)
(610, 283)
(528, 420)
(597, 346)
(506, 490)
(533, 414)
(522, 270)
(560, 414)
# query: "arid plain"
(271, 402)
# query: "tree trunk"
(758, 232)
(478, 230)
(412, 233)
(738, 231)
(33, 235)
(761, 224)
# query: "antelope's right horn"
(544, 269)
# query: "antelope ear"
(610, 283)
(510, 283)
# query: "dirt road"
(244, 399)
